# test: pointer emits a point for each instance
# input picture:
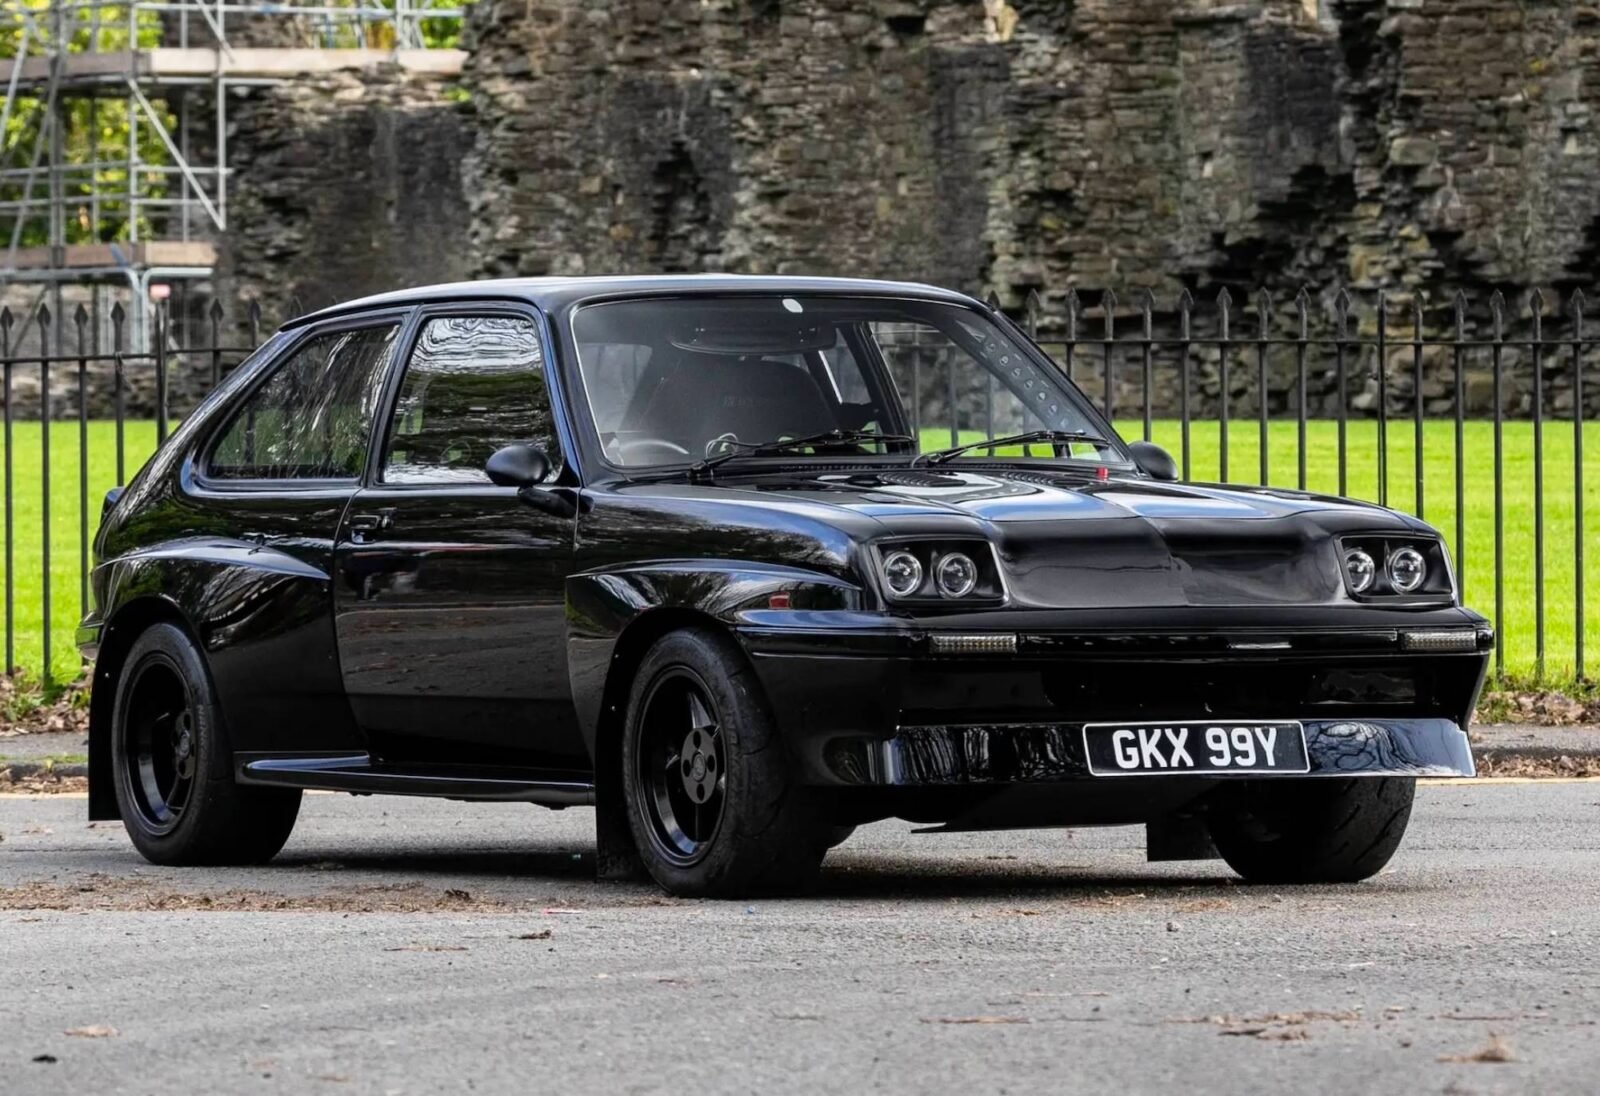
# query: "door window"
(313, 416)
(474, 384)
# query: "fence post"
(161, 372)
(216, 342)
(1031, 309)
(1536, 304)
(1417, 300)
(6, 320)
(1224, 303)
(1108, 304)
(119, 399)
(1072, 328)
(1383, 398)
(1185, 304)
(1576, 305)
(80, 320)
(1263, 323)
(1460, 306)
(1497, 307)
(1302, 307)
(254, 315)
(44, 468)
(1147, 304)
(1341, 329)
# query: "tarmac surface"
(413, 946)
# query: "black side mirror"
(518, 466)
(1153, 460)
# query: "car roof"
(551, 294)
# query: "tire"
(1312, 831)
(712, 802)
(173, 770)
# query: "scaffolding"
(157, 75)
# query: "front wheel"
(1311, 831)
(171, 767)
(712, 803)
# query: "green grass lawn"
(1517, 628)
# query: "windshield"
(676, 381)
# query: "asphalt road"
(410, 947)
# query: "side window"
(313, 416)
(473, 385)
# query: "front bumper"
(863, 702)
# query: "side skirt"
(359, 774)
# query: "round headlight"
(902, 573)
(1359, 571)
(956, 575)
(1407, 570)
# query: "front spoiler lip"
(1020, 753)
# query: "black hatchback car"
(744, 563)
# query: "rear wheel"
(174, 784)
(712, 803)
(1311, 831)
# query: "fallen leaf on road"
(47, 1059)
(456, 894)
(1497, 1050)
(93, 1031)
(542, 934)
(976, 1020)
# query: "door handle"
(362, 524)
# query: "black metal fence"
(1334, 388)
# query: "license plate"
(1164, 749)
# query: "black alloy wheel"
(172, 767)
(682, 764)
(713, 800)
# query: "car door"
(450, 594)
(276, 475)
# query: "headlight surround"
(1407, 570)
(902, 573)
(1381, 567)
(939, 572)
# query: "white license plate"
(1216, 746)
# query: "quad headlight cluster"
(1395, 567)
(940, 571)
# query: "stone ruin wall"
(1035, 145)
(1161, 145)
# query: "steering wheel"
(641, 451)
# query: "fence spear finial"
(1224, 305)
(1536, 307)
(1185, 307)
(1575, 305)
(1497, 309)
(1341, 313)
(1263, 312)
(1302, 308)
(1147, 307)
(1072, 314)
(1108, 305)
(1032, 306)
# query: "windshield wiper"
(736, 448)
(940, 455)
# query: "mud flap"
(616, 858)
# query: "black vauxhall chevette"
(744, 562)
